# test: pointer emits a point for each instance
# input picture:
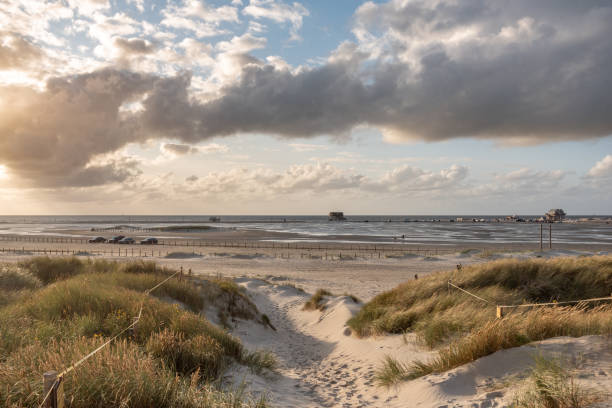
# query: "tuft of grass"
(49, 270)
(316, 301)
(391, 372)
(13, 278)
(517, 330)
(260, 360)
(550, 385)
(199, 353)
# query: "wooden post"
(541, 233)
(181, 274)
(500, 312)
(550, 236)
(56, 397)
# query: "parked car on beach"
(116, 239)
(126, 240)
(96, 240)
(148, 241)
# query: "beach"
(321, 363)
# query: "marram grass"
(464, 329)
(173, 358)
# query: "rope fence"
(53, 382)
(503, 310)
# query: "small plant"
(550, 385)
(391, 372)
(316, 301)
(260, 360)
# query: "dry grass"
(439, 315)
(551, 385)
(467, 329)
(173, 358)
(316, 301)
(517, 330)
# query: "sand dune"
(321, 364)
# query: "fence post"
(550, 236)
(56, 397)
(499, 312)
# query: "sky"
(287, 107)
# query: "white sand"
(320, 365)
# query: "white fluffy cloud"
(602, 169)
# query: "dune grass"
(316, 301)
(173, 357)
(438, 314)
(550, 385)
(465, 329)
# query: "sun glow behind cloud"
(232, 103)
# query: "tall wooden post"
(541, 233)
(550, 236)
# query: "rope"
(91, 354)
(558, 303)
(471, 294)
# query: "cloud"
(17, 53)
(449, 73)
(198, 17)
(410, 179)
(134, 46)
(602, 169)
(533, 72)
(306, 147)
(522, 184)
(175, 149)
(323, 178)
(178, 149)
(54, 137)
(278, 12)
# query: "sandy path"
(322, 366)
(319, 364)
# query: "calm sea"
(413, 229)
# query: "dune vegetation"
(464, 328)
(551, 384)
(54, 311)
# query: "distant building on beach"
(214, 219)
(555, 214)
(337, 216)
